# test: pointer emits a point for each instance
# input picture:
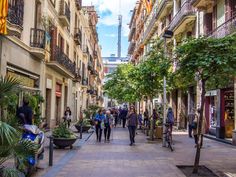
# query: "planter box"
(159, 132)
(84, 128)
(63, 142)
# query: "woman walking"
(132, 124)
(67, 116)
(108, 124)
(98, 124)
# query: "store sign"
(211, 93)
(24, 80)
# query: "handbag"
(194, 125)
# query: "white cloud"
(113, 6)
(111, 35)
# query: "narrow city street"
(145, 159)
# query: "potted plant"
(159, 128)
(63, 137)
(85, 123)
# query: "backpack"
(170, 117)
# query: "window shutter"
(214, 18)
(53, 42)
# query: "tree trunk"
(152, 121)
(199, 128)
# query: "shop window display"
(229, 112)
(213, 112)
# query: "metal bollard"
(51, 151)
(81, 128)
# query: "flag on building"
(148, 4)
(3, 16)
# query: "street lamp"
(167, 34)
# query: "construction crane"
(119, 31)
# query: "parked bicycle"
(168, 136)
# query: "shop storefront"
(219, 113)
(227, 111)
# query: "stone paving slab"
(118, 159)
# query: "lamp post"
(167, 34)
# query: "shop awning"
(3, 16)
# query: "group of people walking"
(105, 120)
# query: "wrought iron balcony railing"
(16, 12)
(185, 10)
(78, 76)
(90, 65)
(62, 59)
(78, 4)
(64, 10)
(37, 38)
(78, 36)
(228, 27)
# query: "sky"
(108, 11)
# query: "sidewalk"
(117, 158)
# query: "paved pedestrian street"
(145, 159)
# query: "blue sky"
(108, 11)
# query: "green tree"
(121, 86)
(206, 60)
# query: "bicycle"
(168, 136)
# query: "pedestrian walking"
(195, 129)
(115, 116)
(191, 116)
(170, 120)
(108, 124)
(99, 118)
(140, 120)
(124, 113)
(132, 121)
(146, 116)
(67, 116)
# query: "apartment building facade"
(195, 18)
(45, 49)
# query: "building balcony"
(95, 54)
(202, 3)
(78, 4)
(85, 82)
(64, 13)
(85, 50)
(151, 26)
(78, 36)
(61, 63)
(37, 43)
(131, 48)
(225, 29)
(90, 66)
(94, 73)
(15, 17)
(78, 76)
(132, 31)
(164, 8)
(185, 15)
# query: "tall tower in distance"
(119, 36)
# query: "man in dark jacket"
(132, 119)
(123, 115)
(25, 113)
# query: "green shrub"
(62, 132)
